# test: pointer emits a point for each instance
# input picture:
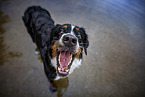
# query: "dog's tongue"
(65, 58)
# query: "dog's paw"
(53, 88)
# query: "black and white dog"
(60, 46)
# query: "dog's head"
(68, 43)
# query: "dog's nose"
(69, 40)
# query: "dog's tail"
(30, 17)
(27, 18)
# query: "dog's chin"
(64, 61)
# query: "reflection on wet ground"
(114, 66)
(15, 54)
(3, 19)
(61, 86)
(4, 55)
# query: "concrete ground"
(114, 66)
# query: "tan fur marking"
(64, 27)
(39, 57)
(37, 49)
(54, 51)
(78, 54)
(77, 29)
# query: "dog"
(61, 46)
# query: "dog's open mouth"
(64, 62)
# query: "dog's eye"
(61, 32)
(79, 36)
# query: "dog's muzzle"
(69, 40)
(66, 53)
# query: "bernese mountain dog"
(60, 46)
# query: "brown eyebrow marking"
(77, 29)
(64, 27)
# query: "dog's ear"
(85, 40)
(56, 30)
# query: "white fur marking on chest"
(54, 62)
(76, 63)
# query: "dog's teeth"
(66, 70)
(59, 68)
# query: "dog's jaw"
(76, 63)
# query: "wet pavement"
(114, 66)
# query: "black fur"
(39, 25)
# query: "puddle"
(15, 54)
(3, 19)
(4, 55)
(62, 85)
